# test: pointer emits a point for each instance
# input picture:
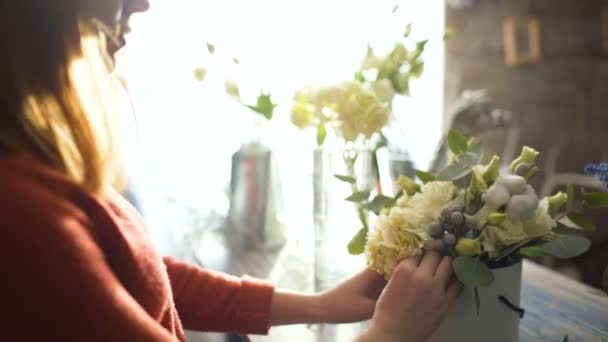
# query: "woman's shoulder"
(33, 194)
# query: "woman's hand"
(415, 300)
(353, 300)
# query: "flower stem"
(350, 160)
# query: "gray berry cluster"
(453, 224)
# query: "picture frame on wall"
(514, 57)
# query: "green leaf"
(321, 134)
(378, 203)
(532, 252)
(457, 142)
(473, 272)
(417, 69)
(408, 30)
(454, 172)
(570, 193)
(356, 246)
(211, 48)
(425, 177)
(420, 46)
(358, 196)
(469, 159)
(236, 60)
(346, 179)
(264, 106)
(565, 339)
(567, 246)
(359, 77)
(582, 221)
(476, 148)
(596, 199)
(565, 226)
(605, 280)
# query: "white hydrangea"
(433, 198)
(392, 240)
(401, 234)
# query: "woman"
(77, 264)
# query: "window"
(188, 130)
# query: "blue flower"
(598, 170)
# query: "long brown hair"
(57, 97)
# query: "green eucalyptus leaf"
(476, 148)
(378, 203)
(321, 134)
(565, 226)
(570, 193)
(358, 196)
(457, 142)
(454, 172)
(582, 221)
(395, 9)
(531, 252)
(567, 246)
(469, 159)
(425, 177)
(356, 246)
(596, 199)
(346, 179)
(473, 272)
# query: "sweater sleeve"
(212, 301)
(57, 286)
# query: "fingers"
(444, 271)
(454, 289)
(430, 261)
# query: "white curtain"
(186, 130)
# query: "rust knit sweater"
(75, 268)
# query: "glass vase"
(336, 221)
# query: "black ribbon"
(512, 306)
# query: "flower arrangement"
(482, 218)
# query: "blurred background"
(511, 72)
